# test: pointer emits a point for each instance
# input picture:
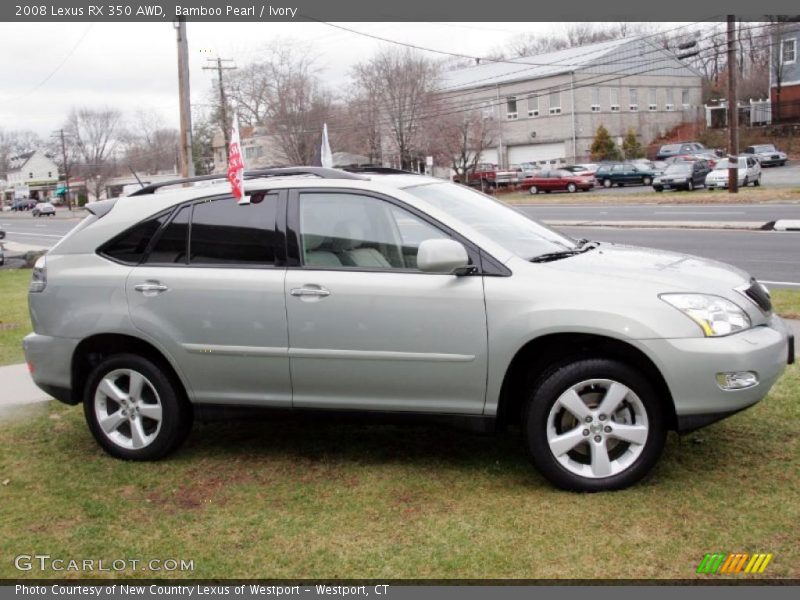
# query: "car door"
(210, 293)
(367, 329)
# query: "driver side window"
(350, 231)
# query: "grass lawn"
(15, 322)
(328, 499)
(786, 303)
(648, 196)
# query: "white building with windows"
(549, 106)
(35, 171)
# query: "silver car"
(393, 293)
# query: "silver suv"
(392, 292)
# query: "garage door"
(537, 153)
(489, 156)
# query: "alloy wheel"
(128, 409)
(597, 428)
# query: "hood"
(669, 271)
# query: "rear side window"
(226, 233)
(129, 247)
(173, 242)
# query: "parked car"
(526, 169)
(487, 175)
(767, 154)
(668, 150)
(682, 176)
(331, 290)
(2, 234)
(584, 170)
(748, 171)
(620, 174)
(559, 180)
(23, 204)
(44, 209)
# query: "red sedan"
(558, 180)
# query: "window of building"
(511, 107)
(487, 110)
(670, 105)
(652, 102)
(533, 106)
(595, 99)
(613, 96)
(685, 98)
(555, 103)
(30, 175)
(633, 103)
(224, 232)
(253, 151)
(788, 52)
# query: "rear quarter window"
(130, 246)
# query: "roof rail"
(378, 170)
(322, 172)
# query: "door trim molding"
(324, 353)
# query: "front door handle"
(316, 292)
(151, 288)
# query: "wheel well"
(93, 350)
(541, 354)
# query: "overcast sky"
(47, 68)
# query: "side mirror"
(441, 256)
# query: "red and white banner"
(236, 162)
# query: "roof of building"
(614, 56)
(18, 161)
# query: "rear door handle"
(309, 291)
(151, 288)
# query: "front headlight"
(715, 315)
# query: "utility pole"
(60, 134)
(733, 111)
(215, 64)
(186, 161)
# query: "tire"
(572, 188)
(607, 183)
(746, 182)
(659, 189)
(757, 182)
(647, 181)
(690, 186)
(533, 190)
(152, 433)
(580, 465)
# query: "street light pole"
(186, 162)
(733, 111)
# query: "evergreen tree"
(603, 147)
(631, 147)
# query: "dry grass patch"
(786, 303)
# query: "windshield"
(500, 223)
(765, 148)
(678, 168)
(723, 164)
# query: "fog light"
(738, 380)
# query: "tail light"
(39, 276)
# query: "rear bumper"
(50, 361)
(690, 366)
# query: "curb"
(718, 225)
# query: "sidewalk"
(18, 391)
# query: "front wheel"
(594, 425)
(757, 182)
(134, 409)
(572, 188)
(690, 185)
(607, 183)
(647, 181)
(533, 190)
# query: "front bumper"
(690, 366)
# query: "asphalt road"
(664, 212)
(770, 256)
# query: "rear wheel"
(690, 185)
(647, 181)
(757, 182)
(607, 183)
(134, 409)
(572, 188)
(594, 425)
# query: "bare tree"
(459, 140)
(93, 133)
(149, 146)
(403, 83)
